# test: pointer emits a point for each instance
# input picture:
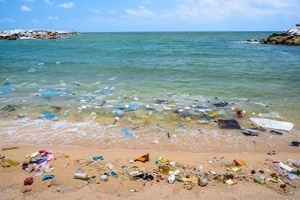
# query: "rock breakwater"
(287, 37)
(34, 34)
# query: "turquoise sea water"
(86, 76)
(148, 66)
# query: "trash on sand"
(289, 169)
(114, 173)
(165, 169)
(271, 152)
(276, 132)
(228, 124)
(97, 158)
(259, 178)
(28, 181)
(239, 112)
(294, 143)
(48, 176)
(5, 162)
(231, 182)
(171, 178)
(127, 132)
(239, 162)
(8, 148)
(143, 158)
(103, 177)
(81, 175)
(273, 124)
(250, 132)
(202, 182)
(26, 190)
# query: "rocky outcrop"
(287, 37)
(34, 34)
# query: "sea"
(95, 88)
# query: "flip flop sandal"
(271, 152)
(294, 143)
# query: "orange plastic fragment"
(239, 162)
(143, 158)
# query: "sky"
(149, 15)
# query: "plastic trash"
(48, 176)
(114, 173)
(104, 91)
(221, 104)
(66, 112)
(127, 132)
(239, 112)
(171, 178)
(294, 143)
(103, 177)
(202, 181)
(6, 83)
(50, 94)
(47, 115)
(293, 176)
(81, 175)
(273, 124)
(6, 90)
(289, 169)
(250, 132)
(165, 169)
(118, 113)
(143, 158)
(228, 124)
(259, 178)
(97, 158)
(130, 106)
(28, 181)
(230, 182)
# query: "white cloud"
(7, 20)
(26, 9)
(52, 18)
(66, 5)
(205, 11)
(48, 2)
(140, 12)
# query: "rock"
(287, 37)
(34, 34)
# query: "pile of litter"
(281, 176)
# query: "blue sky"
(150, 15)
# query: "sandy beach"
(217, 168)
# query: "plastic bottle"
(289, 169)
(114, 173)
(103, 177)
(82, 176)
(259, 178)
